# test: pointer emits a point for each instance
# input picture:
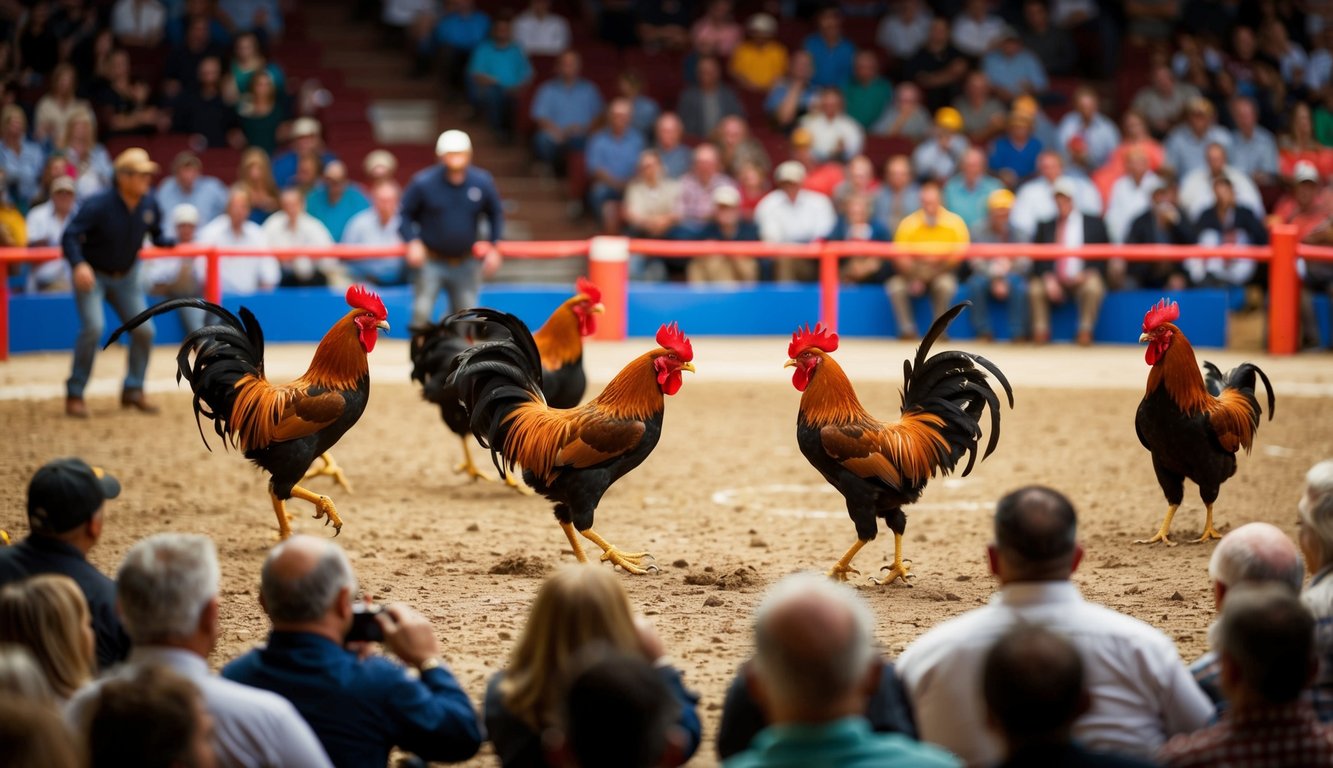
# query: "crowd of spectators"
(1038, 676)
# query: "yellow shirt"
(943, 237)
(13, 228)
(760, 66)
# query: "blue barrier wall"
(49, 322)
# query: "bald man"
(360, 708)
(815, 667)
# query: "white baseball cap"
(305, 126)
(62, 183)
(1305, 171)
(1064, 186)
(727, 195)
(453, 141)
(185, 214)
(790, 171)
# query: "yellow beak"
(598, 308)
(688, 367)
(383, 325)
(1144, 338)
(789, 364)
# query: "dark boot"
(134, 398)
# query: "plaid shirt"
(1274, 737)
(1207, 671)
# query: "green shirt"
(846, 743)
(865, 102)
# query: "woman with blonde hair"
(49, 616)
(21, 677)
(92, 163)
(579, 608)
(61, 103)
(255, 174)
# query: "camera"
(365, 624)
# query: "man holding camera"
(359, 706)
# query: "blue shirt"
(108, 235)
(1021, 160)
(847, 743)
(335, 215)
(676, 162)
(362, 709)
(284, 166)
(445, 215)
(508, 66)
(23, 170)
(833, 63)
(574, 105)
(209, 196)
(615, 156)
(462, 31)
(243, 12)
(969, 203)
(1015, 74)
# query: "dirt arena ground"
(726, 503)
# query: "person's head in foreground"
(154, 719)
(1032, 680)
(1036, 536)
(1266, 640)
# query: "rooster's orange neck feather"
(634, 392)
(1178, 371)
(829, 398)
(339, 361)
(559, 340)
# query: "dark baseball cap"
(66, 493)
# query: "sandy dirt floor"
(726, 503)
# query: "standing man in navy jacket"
(102, 245)
(440, 212)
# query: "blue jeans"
(461, 280)
(553, 152)
(978, 290)
(495, 103)
(126, 295)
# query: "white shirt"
(1141, 691)
(135, 19)
(1129, 198)
(826, 133)
(240, 274)
(1196, 191)
(904, 38)
(365, 229)
(252, 728)
(45, 228)
(974, 37)
(1035, 202)
(545, 36)
(279, 233)
(401, 13)
(783, 220)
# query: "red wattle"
(800, 379)
(672, 384)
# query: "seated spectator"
(309, 170)
(906, 117)
(188, 184)
(262, 114)
(58, 105)
(20, 158)
(790, 214)
(1314, 534)
(1034, 201)
(564, 109)
(898, 196)
(205, 113)
(860, 181)
(155, 719)
(35, 736)
(1052, 45)
(1164, 100)
(89, 160)
(1266, 642)
(539, 32)
(1308, 205)
(830, 52)
(1015, 154)
(47, 615)
(753, 183)
(664, 25)
(834, 135)
(1140, 691)
(1034, 686)
(1161, 222)
(727, 225)
(668, 143)
(1298, 145)
(1068, 277)
(258, 17)
(716, 30)
(968, 192)
(1226, 223)
(630, 85)
(1196, 189)
(695, 204)
(307, 588)
(167, 590)
(983, 115)
(709, 100)
(652, 199)
(234, 229)
(306, 140)
(247, 58)
(903, 30)
(173, 278)
(255, 175)
(45, 224)
(181, 70)
(379, 166)
(335, 200)
(938, 67)
(792, 95)
(612, 158)
(1001, 279)
(1134, 137)
(616, 711)
(576, 609)
(292, 227)
(759, 60)
(1085, 135)
(821, 177)
(814, 670)
(856, 223)
(458, 32)
(36, 42)
(377, 225)
(138, 23)
(938, 236)
(937, 159)
(13, 232)
(1131, 195)
(1253, 148)
(868, 93)
(1186, 143)
(976, 30)
(178, 24)
(22, 679)
(1253, 554)
(497, 70)
(65, 513)
(1012, 69)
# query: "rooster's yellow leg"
(4, 538)
(511, 480)
(1163, 532)
(901, 569)
(323, 507)
(467, 467)
(332, 469)
(573, 537)
(843, 567)
(632, 563)
(284, 519)
(1209, 532)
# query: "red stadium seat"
(880, 148)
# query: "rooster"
(559, 341)
(1193, 426)
(570, 456)
(880, 467)
(282, 428)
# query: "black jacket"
(1094, 232)
(1145, 230)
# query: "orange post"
(213, 276)
(1284, 293)
(608, 267)
(828, 287)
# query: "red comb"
(820, 338)
(586, 287)
(359, 298)
(670, 337)
(1161, 313)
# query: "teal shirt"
(969, 203)
(866, 102)
(335, 216)
(846, 743)
(508, 65)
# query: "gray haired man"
(1314, 531)
(167, 593)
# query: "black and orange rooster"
(282, 428)
(559, 342)
(1193, 427)
(880, 467)
(570, 456)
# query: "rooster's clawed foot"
(901, 570)
(841, 572)
(470, 469)
(632, 563)
(331, 469)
